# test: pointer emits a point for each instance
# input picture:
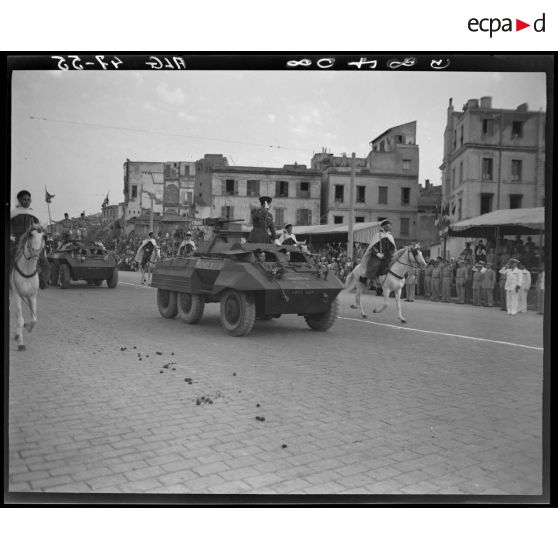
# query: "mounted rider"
(382, 247)
(145, 250)
(22, 217)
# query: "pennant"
(105, 202)
(48, 197)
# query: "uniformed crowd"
(485, 278)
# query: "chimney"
(486, 102)
(472, 103)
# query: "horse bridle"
(35, 254)
(414, 252)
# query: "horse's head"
(32, 242)
(416, 254)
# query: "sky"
(72, 131)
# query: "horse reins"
(408, 264)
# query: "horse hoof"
(363, 315)
(403, 321)
(21, 348)
(375, 311)
(354, 306)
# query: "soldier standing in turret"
(264, 228)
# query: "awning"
(508, 221)
(362, 232)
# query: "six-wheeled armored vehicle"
(250, 281)
(82, 260)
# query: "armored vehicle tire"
(112, 281)
(190, 307)
(65, 276)
(166, 302)
(324, 320)
(238, 313)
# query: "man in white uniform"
(514, 282)
(287, 238)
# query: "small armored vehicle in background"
(250, 281)
(83, 260)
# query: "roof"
(509, 221)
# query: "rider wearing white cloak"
(381, 249)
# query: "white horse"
(393, 281)
(147, 268)
(24, 278)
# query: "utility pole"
(352, 214)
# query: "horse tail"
(350, 281)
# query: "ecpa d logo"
(495, 24)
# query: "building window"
(486, 203)
(515, 201)
(227, 212)
(405, 196)
(404, 226)
(126, 190)
(517, 129)
(303, 217)
(399, 139)
(453, 178)
(382, 194)
(487, 169)
(406, 164)
(304, 190)
(516, 170)
(282, 189)
(460, 172)
(134, 191)
(487, 127)
(359, 219)
(361, 191)
(382, 146)
(279, 217)
(229, 187)
(454, 139)
(460, 209)
(461, 137)
(253, 188)
(337, 219)
(339, 193)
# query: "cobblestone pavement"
(111, 398)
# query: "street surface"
(111, 398)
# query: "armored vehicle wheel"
(166, 302)
(112, 281)
(190, 307)
(238, 313)
(65, 276)
(324, 320)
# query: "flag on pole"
(106, 201)
(48, 197)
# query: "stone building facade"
(493, 158)
(233, 192)
(386, 184)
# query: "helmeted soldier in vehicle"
(264, 228)
(381, 250)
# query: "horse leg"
(397, 293)
(385, 292)
(33, 306)
(20, 323)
